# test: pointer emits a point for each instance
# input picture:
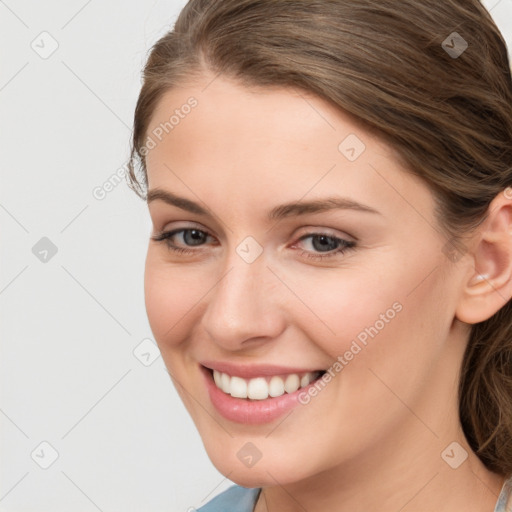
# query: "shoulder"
(504, 503)
(234, 499)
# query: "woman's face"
(299, 246)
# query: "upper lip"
(249, 371)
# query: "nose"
(243, 308)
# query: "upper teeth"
(261, 388)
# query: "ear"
(488, 285)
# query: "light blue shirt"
(240, 499)
(234, 499)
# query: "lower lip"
(251, 412)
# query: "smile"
(255, 394)
(261, 388)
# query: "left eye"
(324, 243)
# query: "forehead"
(261, 144)
(226, 112)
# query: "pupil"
(327, 243)
(195, 237)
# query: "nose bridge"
(240, 306)
(238, 285)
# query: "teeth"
(292, 383)
(257, 389)
(225, 383)
(276, 387)
(217, 379)
(261, 388)
(238, 387)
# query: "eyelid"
(187, 224)
(306, 229)
(315, 230)
(169, 233)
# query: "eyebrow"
(277, 213)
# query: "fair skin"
(373, 436)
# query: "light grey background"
(76, 347)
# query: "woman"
(330, 269)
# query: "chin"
(267, 471)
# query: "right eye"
(190, 237)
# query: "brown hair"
(447, 115)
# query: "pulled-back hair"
(402, 69)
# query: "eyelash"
(345, 244)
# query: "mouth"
(261, 388)
(256, 395)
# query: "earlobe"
(489, 285)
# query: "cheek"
(172, 296)
(337, 306)
(389, 315)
